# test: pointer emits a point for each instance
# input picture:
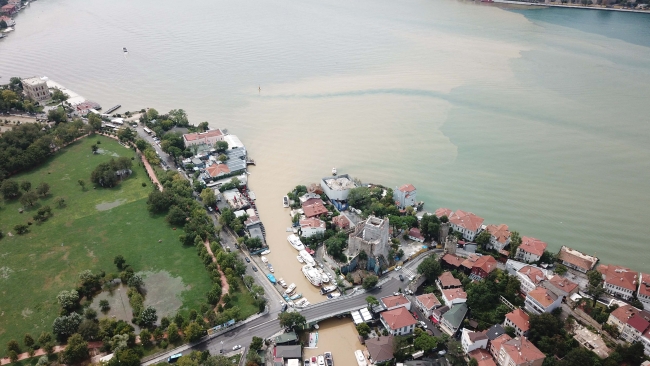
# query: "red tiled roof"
(576, 258)
(466, 220)
(624, 312)
(452, 260)
(483, 357)
(619, 276)
(392, 301)
(469, 262)
(428, 301)
(637, 322)
(398, 318)
(563, 283)
(215, 169)
(197, 135)
(315, 209)
(407, 188)
(519, 318)
(644, 284)
(312, 222)
(341, 221)
(415, 232)
(500, 232)
(486, 263)
(498, 341)
(533, 273)
(448, 280)
(443, 212)
(532, 245)
(311, 201)
(454, 293)
(543, 296)
(522, 351)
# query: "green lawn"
(86, 234)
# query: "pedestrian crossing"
(408, 272)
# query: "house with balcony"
(635, 327)
(427, 303)
(466, 223)
(519, 321)
(520, 352)
(495, 344)
(645, 340)
(619, 281)
(404, 196)
(395, 301)
(473, 340)
(499, 236)
(312, 226)
(576, 260)
(483, 267)
(530, 250)
(619, 317)
(453, 319)
(541, 300)
(454, 296)
(530, 277)
(398, 321)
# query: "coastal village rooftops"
(466, 220)
(380, 348)
(392, 301)
(429, 301)
(452, 260)
(398, 318)
(619, 276)
(638, 322)
(543, 296)
(563, 283)
(644, 284)
(448, 280)
(453, 294)
(533, 273)
(443, 212)
(522, 351)
(407, 188)
(519, 318)
(482, 357)
(498, 341)
(469, 262)
(341, 221)
(200, 135)
(499, 232)
(487, 263)
(315, 209)
(312, 222)
(532, 245)
(415, 232)
(624, 313)
(216, 170)
(576, 258)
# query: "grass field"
(94, 227)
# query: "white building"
(454, 296)
(427, 303)
(519, 321)
(398, 321)
(499, 236)
(233, 142)
(520, 352)
(619, 281)
(36, 89)
(203, 138)
(311, 227)
(576, 260)
(541, 300)
(530, 277)
(530, 250)
(395, 301)
(466, 223)
(643, 294)
(404, 196)
(337, 188)
(473, 340)
(635, 327)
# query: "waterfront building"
(483, 267)
(619, 317)
(619, 281)
(9, 9)
(427, 303)
(233, 142)
(635, 327)
(337, 188)
(561, 286)
(215, 171)
(443, 212)
(520, 352)
(380, 349)
(452, 319)
(471, 341)
(404, 196)
(36, 89)
(530, 250)
(10, 22)
(499, 236)
(398, 321)
(203, 138)
(519, 321)
(312, 226)
(466, 223)
(395, 301)
(541, 300)
(643, 293)
(576, 260)
(371, 236)
(530, 277)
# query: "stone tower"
(443, 232)
(450, 244)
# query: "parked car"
(236, 347)
(284, 307)
(248, 260)
(411, 278)
(423, 324)
(398, 268)
(254, 268)
(401, 278)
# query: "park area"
(87, 232)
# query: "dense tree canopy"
(105, 174)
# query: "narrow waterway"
(338, 336)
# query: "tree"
(126, 134)
(176, 216)
(57, 115)
(425, 342)
(25, 185)
(483, 239)
(214, 295)
(29, 198)
(371, 301)
(560, 269)
(222, 158)
(152, 114)
(370, 282)
(148, 316)
(94, 121)
(363, 329)
(28, 340)
(89, 330)
(21, 229)
(119, 261)
(193, 332)
(145, 337)
(65, 326)
(544, 325)
(473, 362)
(60, 202)
(44, 338)
(59, 97)
(13, 356)
(221, 146)
(172, 333)
(68, 299)
(3, 24)
(12, 345)
(291, 319)
(257, 343)
(208, 197)
(203, 126)
(430, 268)
(43, 189)
(10, 189)
(595, 286)
(136, 281)
(76, 350)
(104, 305)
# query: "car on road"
(248, 260)
(284, 307)
(398, 268)
(423, 324)
(236, 347)
(411, 278)
(401, 278)
(395, 293)
(254, 268)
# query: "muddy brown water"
(338, 336)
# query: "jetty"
(113, 109)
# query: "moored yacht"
(327, 289)
(292, 287)
(285, 201)
(295, 242)
(312, 275)
(307, 258)
(300, 259)
(361, 359)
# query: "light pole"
(221, 348)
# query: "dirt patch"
(5, 272)
(26, 312)
(106, 152)
(105, 206)
(163, 292)
(119, 303)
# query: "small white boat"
(333, 171)
(295, 297)
(334, 295)
(291, 289)
(295, 242)
(285, 201)
(321, 360)
(282, 283)
(264, 259)
(327, 289)
(271, 268)
(300, 259)
(302, 303)
(124, 49)
(361, 359)
(324, 278)
(266, 252)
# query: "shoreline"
(512, 2)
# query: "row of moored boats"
(321, 360)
